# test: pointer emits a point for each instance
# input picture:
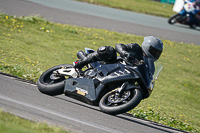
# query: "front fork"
(126, 86)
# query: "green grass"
(30, 45)
(13, 124)
(140, 6)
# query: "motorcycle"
(183, 17)
(115, 88)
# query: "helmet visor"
(154, 52)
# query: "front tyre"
(174, 19)
(51, 84)
(110, 103)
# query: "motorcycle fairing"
(113, 73)
(183, 12)
(143, 77)
(89, 88)
(83, 89)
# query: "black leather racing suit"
(132, 52)
(107, 54)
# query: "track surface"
(83, 14)
(26, 101)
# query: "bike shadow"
(124, 116)
(77, 102)
(187, 27)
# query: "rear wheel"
(111, 103)
(51, 83)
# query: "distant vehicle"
(116, 88)
(184, 16)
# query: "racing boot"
(105, 54)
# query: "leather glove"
(81, 63)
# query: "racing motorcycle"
(184, 15)
(115, 88)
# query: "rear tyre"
(112, 105)
(51, 84)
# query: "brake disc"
(113, 98)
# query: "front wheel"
(50, 83)
(174, 19)
(112, 104)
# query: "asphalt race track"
(88, 15)
(24, 99)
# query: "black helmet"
(152, 47)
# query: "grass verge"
(30, 45)
(13, 124)
(140, 6)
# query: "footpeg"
(68, 72)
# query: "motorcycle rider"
(195, 14)
(150, 51)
